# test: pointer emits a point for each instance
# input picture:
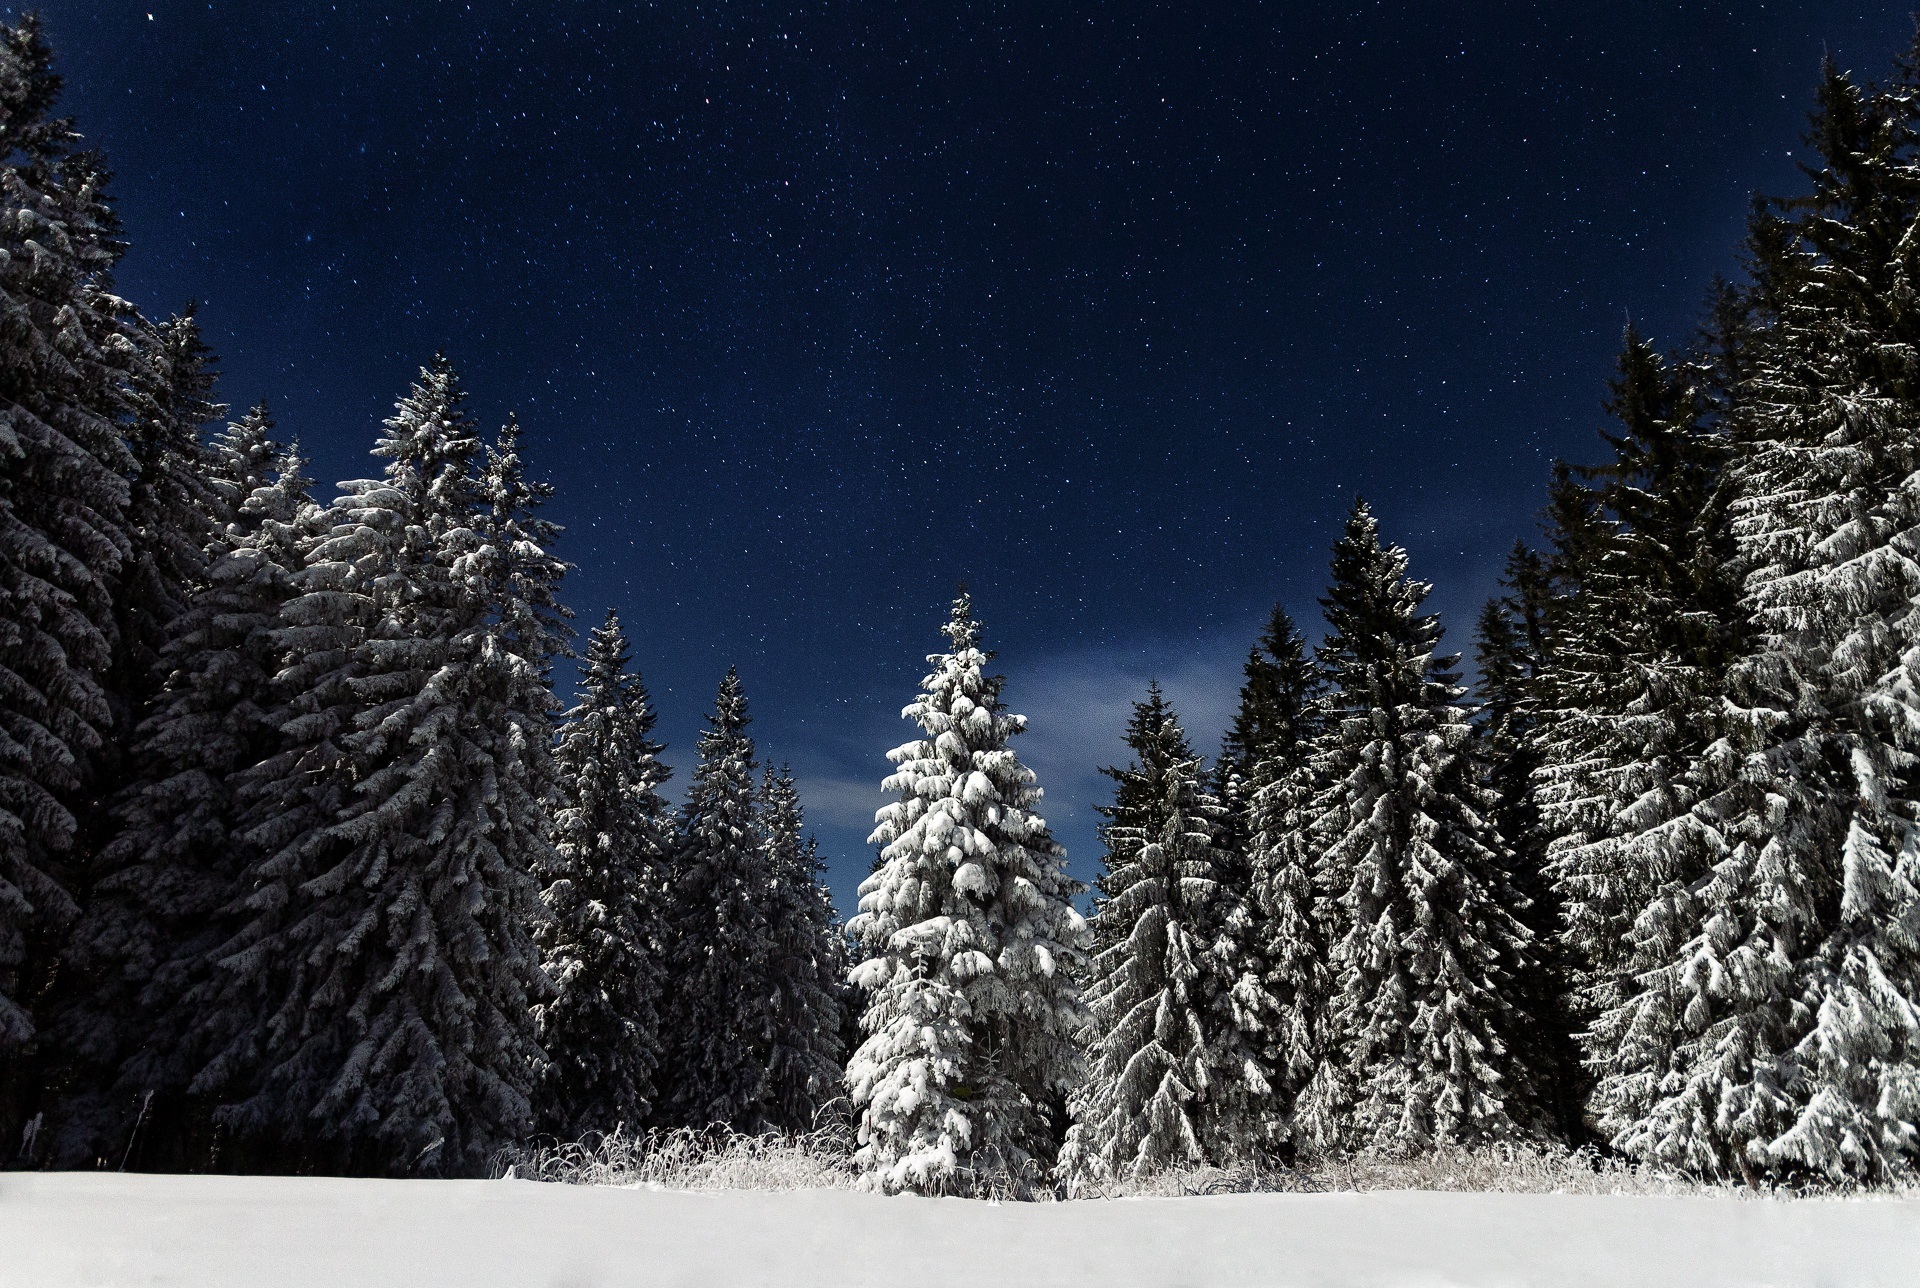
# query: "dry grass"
(691, 1160)
(724, 1160)
(1500, 1169)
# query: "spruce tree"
(807, 965)
(66, 351)
(1634, 680)
(517, 572)
(720, 1015)
(973, 946)
(173, 507)
(1293, 985)
(243, 458)
(1157, 740)
(1167, 1076)
(132, 1033)
(388, 965)
(1791, 970)
(604, 939)
(1276, 712)
(1425, 944)
(1277, 987)
(1513, 652)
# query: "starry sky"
(812, 310)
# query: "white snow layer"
(64, 1230)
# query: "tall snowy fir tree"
(1631, 689)
(1791, 971)
(719, 1018)
(1425, 947)
(1157, 740)
(172, 509)
(1286, 948)
(605, 937)
(1512, 649)
(139, 959)
(806, 965)
(1276, 712)
(514, 566)
(65, 360)
(385, 981)
(973, 947)
(1168, 1081)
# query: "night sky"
(811, 311)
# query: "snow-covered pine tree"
(605, 936)
(1289, 944)
(132, 1034)
(1512, 645)
(1287, 993)
(1426, 947)
(1164, 1056)
(807, 965)
(1274, 719)
(172, 511)
(1510, 652)
(1792, 970)
(243, 459)
(720, 1006)
(1157, 740)
(973, 946)
(388, 963)
(1276, 710)
(1632, 685)
(518, 574)
(64, 363)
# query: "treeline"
(1656, 890)
(301, 866)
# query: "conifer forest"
(336, 838)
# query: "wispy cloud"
(1077, 704)
(839, 801)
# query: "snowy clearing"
(65, 1230)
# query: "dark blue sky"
(810, 311)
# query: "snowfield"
(65, 1230)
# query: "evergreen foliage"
(1785, 980)
(1424, 943)
(604, 939)
(66, 354)
(1269, 933)
(807, 965)
(296, 875)
(720, 1017)
(1634, 679)
(1276, 715)
(1513, 652)
(138, 962)
(1157, 740)
(517, 575)
(973, 946)
(384, 978)
(173, 508)
(1170, 1080)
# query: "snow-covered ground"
(64, 1230)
